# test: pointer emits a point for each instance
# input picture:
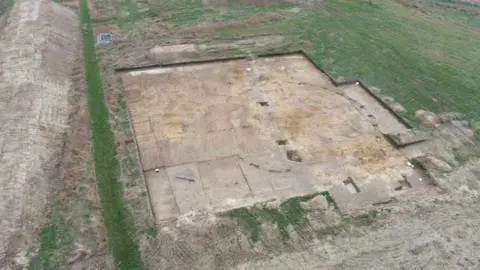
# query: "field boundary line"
(117, 219)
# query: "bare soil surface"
(35, 87)
(48, 185)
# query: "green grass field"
(423, 63)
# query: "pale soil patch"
(182, 53)
(186, 52)
(160, 54)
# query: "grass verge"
(55, 242)
(290, 212)
(116, 218)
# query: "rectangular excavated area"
(231, 133)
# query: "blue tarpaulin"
(104, 38)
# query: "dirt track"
(38, 47)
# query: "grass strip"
(116, 218)
(55, 243)
(4, 5)
(289, 212)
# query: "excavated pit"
(207, 138)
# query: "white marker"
(357, 83)
(157, 170)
